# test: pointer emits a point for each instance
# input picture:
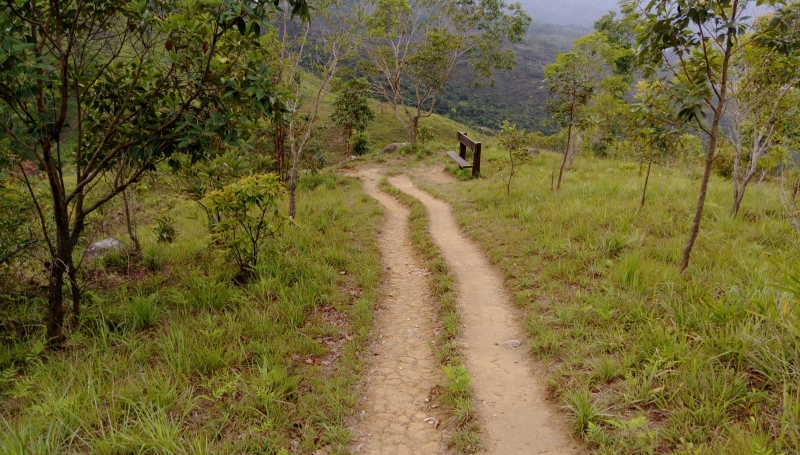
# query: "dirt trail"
(391, 415)
(515, 416)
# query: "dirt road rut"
(392, 413)
(515, 416)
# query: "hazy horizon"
(581, 13)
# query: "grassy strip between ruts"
(176, 359)
(457, 395)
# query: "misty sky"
(568, 12)
(582, 13)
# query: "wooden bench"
(461, 162)
(461, 158)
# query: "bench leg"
(462, 151)
(476, 162)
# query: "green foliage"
(424, 134)
(514, 142)
(584, 410)
(249, 216)
(360, 143)
(573, 79)
(165, 229)
(691, 45)
(553, 143)
(104, 92)
(16, 223)
(352, 110)
(196, 179)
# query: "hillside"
(384, 130)
(517, 95)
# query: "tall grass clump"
(458, 396)
(179, 358)
(645, 359)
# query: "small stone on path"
(510, 344)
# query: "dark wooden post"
(462, 150)
(476, 160)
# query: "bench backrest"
(469, 143)
(465, 142)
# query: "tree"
(609, 110)
(764, 91)
(573, 79)
(653, 125)
(351, 109)
(322, 58)
(514, 142)
(694, 43)
(100, 92)
(413, 47)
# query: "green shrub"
(16, 225)
(248, 216)
(165, 229)
(360, 143)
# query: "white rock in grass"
(104, 245)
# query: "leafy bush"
(195, 180)
(424, 134)
(248, 216)
(359, 142)
(16, 233)
(165, 229)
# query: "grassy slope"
(176, 359)
(384, 130)
(646, 360)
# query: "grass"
(643, 359)
(458, 395)
(176, 359)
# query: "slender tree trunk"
(278, 150)
(293, 188)
(72, 275)
(735, 179)
(646, 180)
(510, 175)
(131, 223)
(701, 199)
(413, 131)
(737, 202)
(564, 159)
(763, 176)
(55, 307)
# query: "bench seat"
(463, 164)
